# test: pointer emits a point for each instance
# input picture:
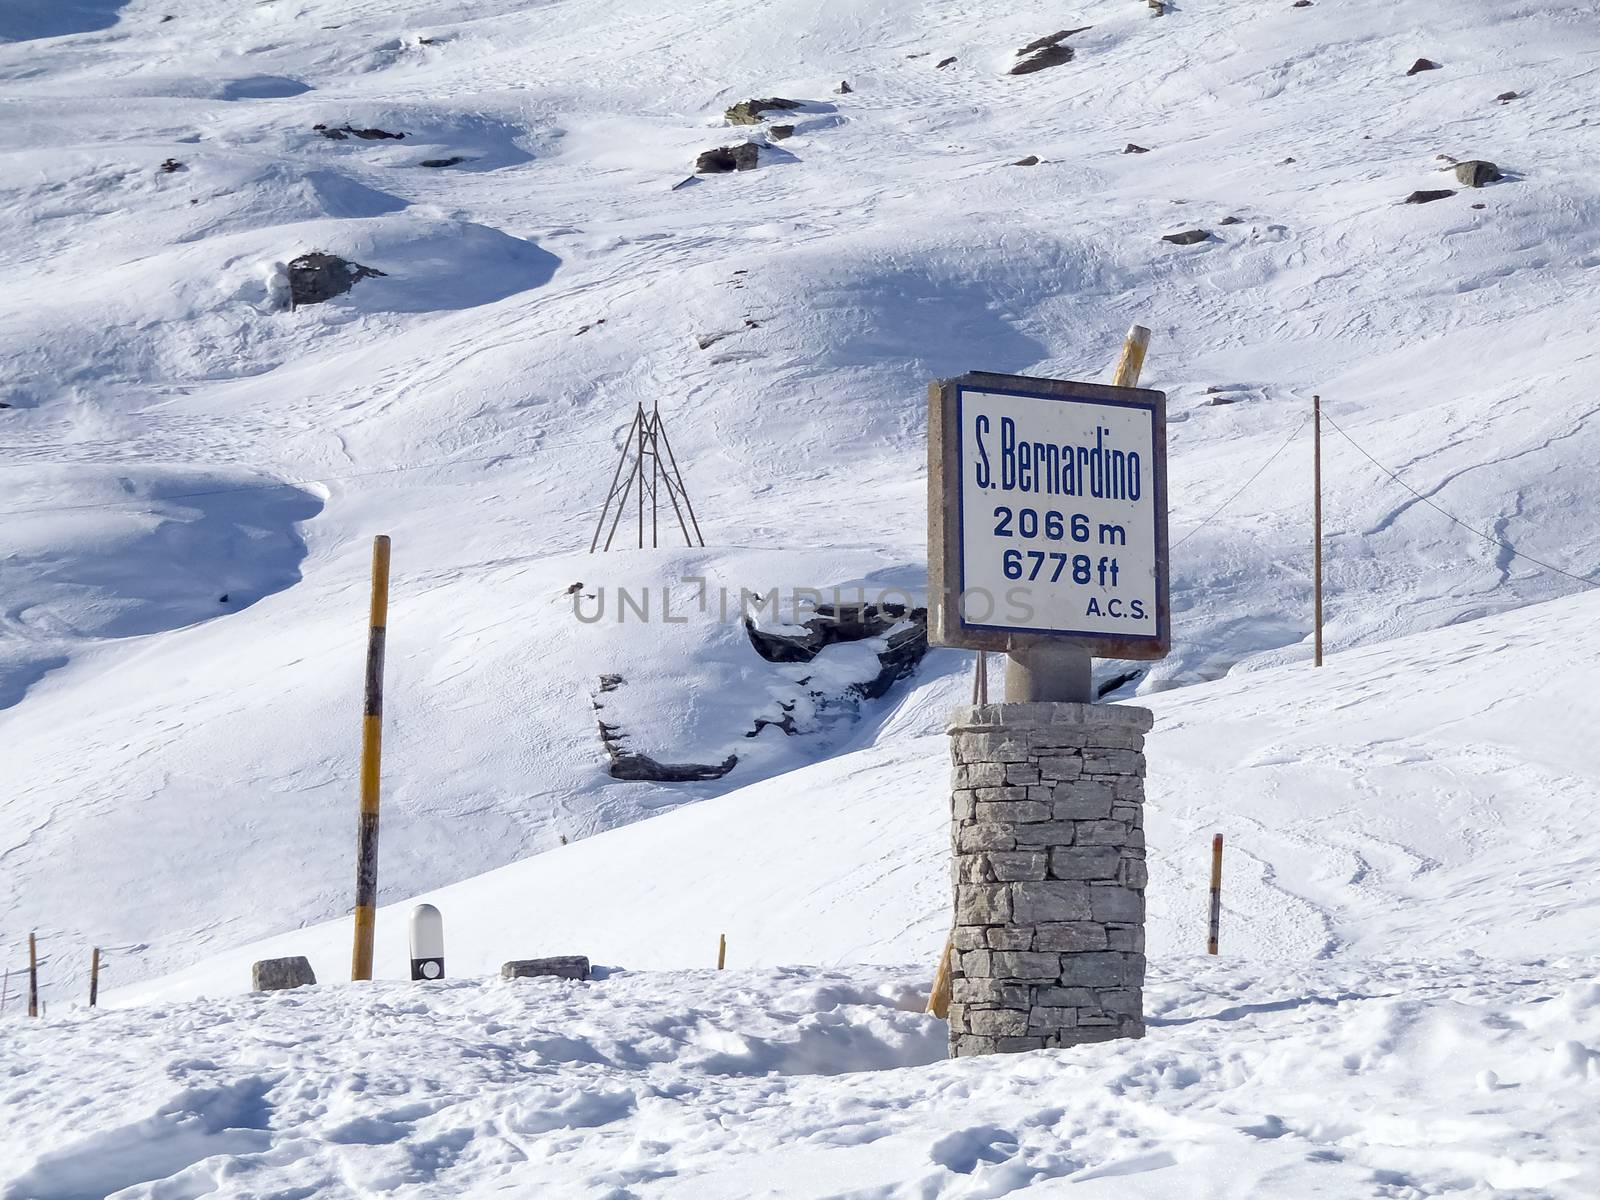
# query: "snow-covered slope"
(179, 771)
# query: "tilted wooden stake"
(939, 998)
(371, 756)
(722, 950)
(1216, 894)
(1132, 360)
(94, 977)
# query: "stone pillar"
(1048, 831)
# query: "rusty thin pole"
(94, 977)
(1316, 520)
(611, 493)
(1216, 895)
(33, 976)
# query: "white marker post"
(427, 943)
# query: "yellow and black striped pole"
(1214, 925)
(371, 757)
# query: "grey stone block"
(1127, 938)
(1013, 865)
(990, 993)
(1061, 767)
(968, 1045)
(989, 795)
(1083, 800)
(281, 974)
(1028, 964)
(1074, 936)
(963, 804)
(565, 966)
(997, 1022)
(1021, 773)
(983, 903)
(1015, 812)
(1018, 1045)
(1049, 1020)
(1133, 873)
(969, 937)
(1085, 862)
(971, 838)
(1066, 997)
(1102, 969)
(980, 774)
(1113, 762)
(1036, 903)
(1115, 903)
(971, 868)
(1046, 834)
(1102, 833)
(977, 964)
(1008, 937)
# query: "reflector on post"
(427, 943)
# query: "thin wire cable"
(1488, 537)
(1247, 483)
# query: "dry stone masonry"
(1048, 831)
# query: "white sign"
(1059, 521)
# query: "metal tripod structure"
(647, 439)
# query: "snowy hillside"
(180, 770)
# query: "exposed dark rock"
(853, 623)
(575, 589)
(1050, 56)
(944, 62)
(565, 966)
(341, 132)
(316, 277)
(1051, 39)
(778, 132)
(1187, 238)
(1507, 97)
(452, 161)
(1131, 148)
(1110, 685)
(1158, 7)
(1230, 220)
(222, 599)
(610, 682)
(1285, 162)
(728, 158)
(1476, 172)
(171, 165)
(748, 112)
(1301, 4)
(1480, 206)
(1428, 197)
(1031, 161)
(280, 974)
(1423, 64)
(643, 768)
(1223, 399)
(844, 88)
(1046, 51)
(583, 329)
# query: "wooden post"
(722, 951)
(1216, 895)
(1316, 521)
(94, 977)
(33, 976)
(939, 998)
(371, 756)
(1131, 361)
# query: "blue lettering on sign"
(1058, 468)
